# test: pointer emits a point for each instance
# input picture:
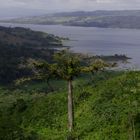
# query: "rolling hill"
(103, 19)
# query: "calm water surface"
(99, 41)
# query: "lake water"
(99, 41)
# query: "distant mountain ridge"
(100, 18)
(100, 13)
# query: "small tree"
(95, 65)
(41, 70)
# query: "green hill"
(106, 108)
(19, 44)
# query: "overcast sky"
(11, 8)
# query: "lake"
(97, 41)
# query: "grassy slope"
(107, 109)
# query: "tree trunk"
(49, 85)
(70, 107)
(134, 131)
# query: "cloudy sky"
(11, 8)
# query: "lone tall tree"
(68, 67)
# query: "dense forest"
(19, 44)
(35, 81)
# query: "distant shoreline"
(100, 27)
(123, 19)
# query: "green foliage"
(106, 108)
(68, 64)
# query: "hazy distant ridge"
(106, 19)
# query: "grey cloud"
(66, 5)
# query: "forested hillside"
(105, 19)
(19, 44)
